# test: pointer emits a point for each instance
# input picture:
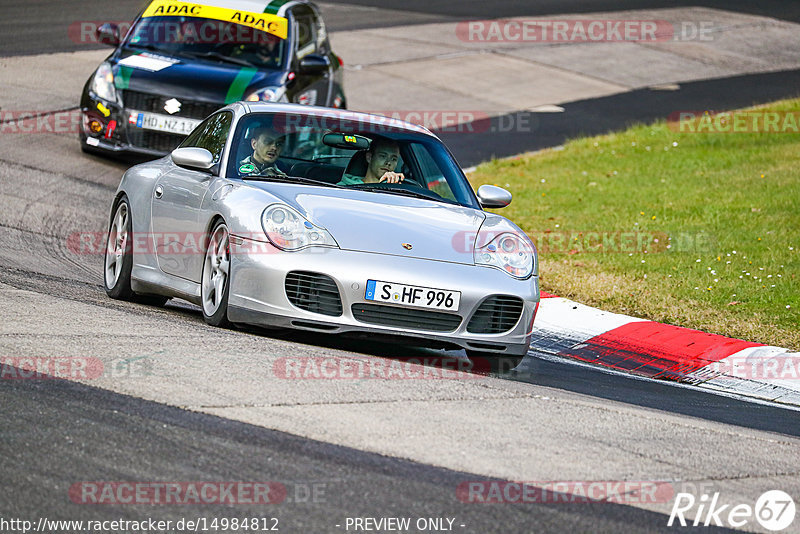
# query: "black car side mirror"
(108, 34)
(314, 64)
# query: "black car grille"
(313, 292)
(495, 315)
(406, 317)
(155, 104)
(160, 141)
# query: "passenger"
(382, 158)
(267, 146)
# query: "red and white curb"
(568, 329)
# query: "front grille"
(406, 317)
(313, 292)
(160, 141)
(155, 104)
(495, 315)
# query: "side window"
(323, 46)
(432, 175)
(306, 30)
(212, 135)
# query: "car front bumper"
(118, 135)
(258, 295)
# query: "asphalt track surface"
(96, 435)
(57, 432)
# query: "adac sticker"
(103, 109)
(247, 168)
(273, 24)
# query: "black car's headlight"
(103, 83)
(508, 252)
(288, 230)
(268, 94)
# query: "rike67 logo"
(774, 510)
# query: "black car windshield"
(208, 39)
(347, 150)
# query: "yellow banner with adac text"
(273, 24)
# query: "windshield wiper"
(289, 179)
(403, 192)
(219, 57)
(152, 48)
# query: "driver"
(382, 158)
(267, 146)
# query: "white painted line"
(547, 108)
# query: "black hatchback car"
(181, 61)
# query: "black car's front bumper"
(114, 133)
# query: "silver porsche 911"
(324, 220)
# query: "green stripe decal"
(239, 84)
(123, 78)
(274, 6)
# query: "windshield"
(208, 39)
(347, 153)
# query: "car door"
(310, 41)
(177, 197)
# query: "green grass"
(729, 202)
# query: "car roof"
(274, 7)
(336, 114)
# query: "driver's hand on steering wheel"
(392, 177)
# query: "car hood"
(196, 80)
(383, 223)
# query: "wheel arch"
(212, 222)
(117, 198)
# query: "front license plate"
(163, 123)
(413, 296)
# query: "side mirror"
(193, 157)
(314, 64)
(108, 34)
(491, 196)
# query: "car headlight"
(268, 94)
(508, 252)
(103, 83)
(288, 230)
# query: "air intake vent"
(406, 317)
(495, 315)
(314, 292)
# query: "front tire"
(118, 261)
(215, 283)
